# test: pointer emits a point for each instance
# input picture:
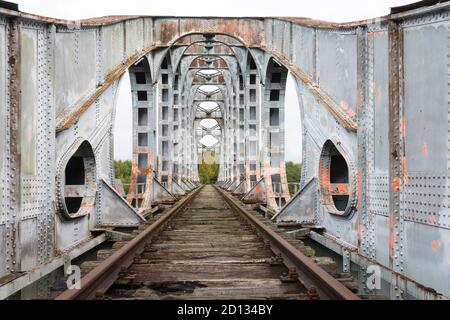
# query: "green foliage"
(208, 172)
(123, 172)
(293, 171)
(208, 169)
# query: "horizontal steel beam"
(32, 276)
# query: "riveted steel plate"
(426, 200)
(75, 68)
(29, 99)
(28, 239)
(379, 95)
(113, 47)
(426, 98)
(282, 37)
(3, 124)
(337, 66)
(426, 256)
(303, 48)
(379, 195)
(134, 36)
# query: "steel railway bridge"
(374, 98)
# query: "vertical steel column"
(396, 140)
(141, 188)
(252, 163)
(14, 92)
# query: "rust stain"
(358, 189)
(432, 220)
(344, 104)
(309, 211)
(342, 188)
(403, 127)
(376, 91)
(351, 113)
(405, 170)
(435, 245)
(396, 183)
(190, 25)
(168, 31)
(330, 188)
(424, 149)
(378, 95)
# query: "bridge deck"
(208, 253)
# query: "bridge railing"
(140, 188)
(293, 188)
(280, 194)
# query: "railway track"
(208, 246)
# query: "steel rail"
(102, 277)
(310, 274)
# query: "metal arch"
(174, 41)
(185, 74)
(192, 99)
(218, 54)
(209, 77)
(220, 105)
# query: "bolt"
(312, 293)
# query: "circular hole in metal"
(79, 182)
(335, 185)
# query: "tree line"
(207, 171)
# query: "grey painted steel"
(377, 89)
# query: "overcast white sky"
(331, 10)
